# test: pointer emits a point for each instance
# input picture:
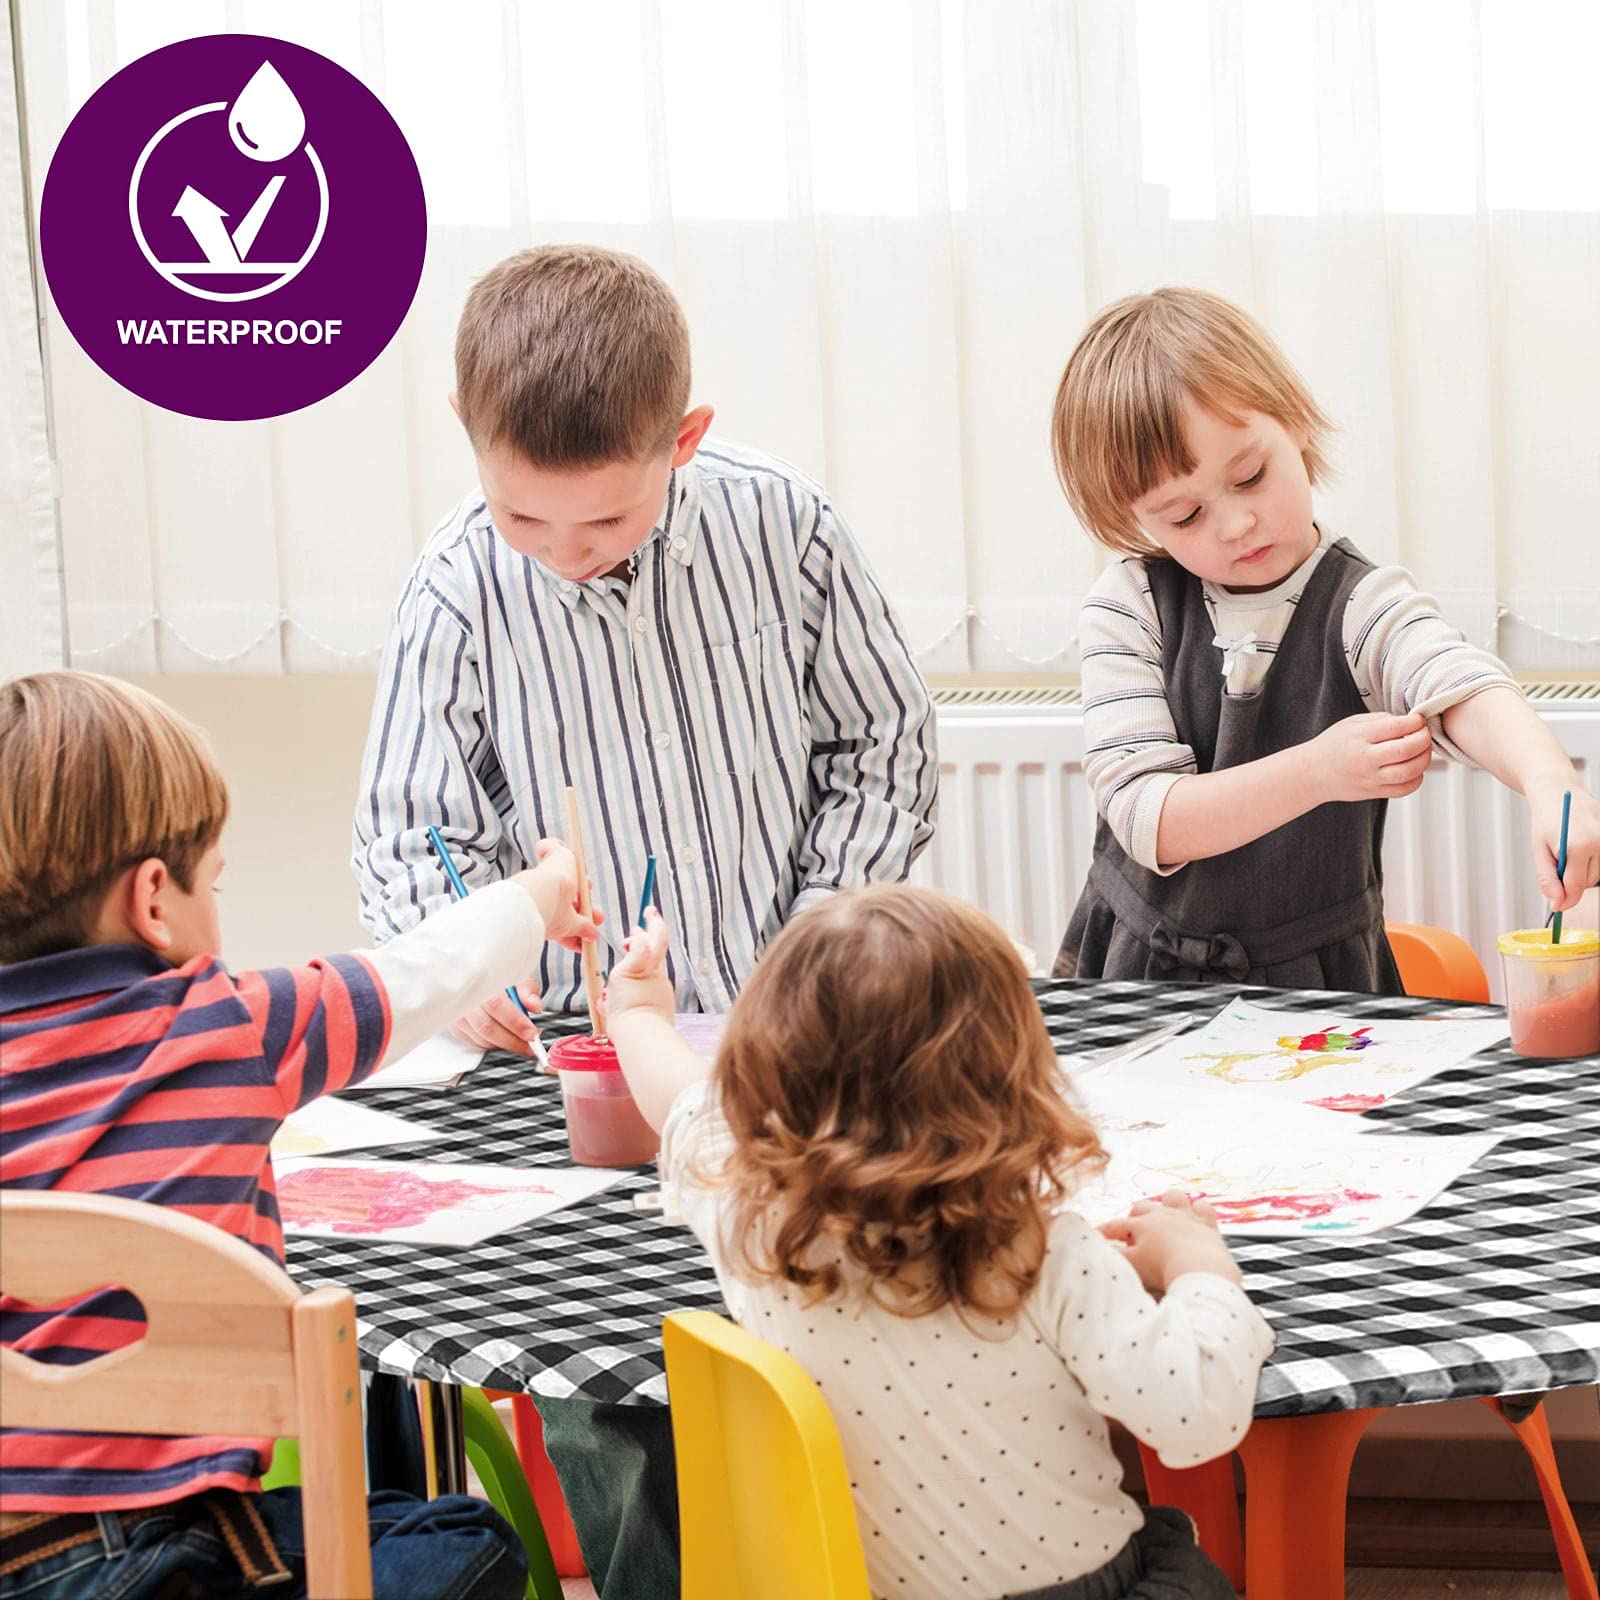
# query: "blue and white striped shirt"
(745, 709)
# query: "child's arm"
(427, 760)
(1370, 756)
(874, 768)
(1405, 657)
(332, 1023)
(656, 1058)
(1504, 734)
(1180, 1373)
(1161, 810)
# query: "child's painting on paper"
(1313, 1059)
(1289, 1170)
(423, 1202)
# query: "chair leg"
(1533, 1433)
(1208, 1495)
(495, 1461)
(1297, 1472)
(546, 1487)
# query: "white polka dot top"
(981, 1466)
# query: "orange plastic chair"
(764, 1505)
(1297, 1469)
(1437, 963)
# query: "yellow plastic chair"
(764, 1505)
(231, 1346)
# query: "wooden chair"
(232, 1347)
(764, 1503)
(1297, 1469)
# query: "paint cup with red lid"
(604, 1125)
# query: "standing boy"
(687, 634)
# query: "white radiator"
(1016, 822)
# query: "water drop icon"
(266, 122)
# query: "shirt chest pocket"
(755, 714)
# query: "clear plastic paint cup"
(1553, 992)
(604, 1126)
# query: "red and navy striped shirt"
(122, 1075)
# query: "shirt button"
(640, 624)
(679, 542)
(662, 739)
(703, 967)
(686, 854)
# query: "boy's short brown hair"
(1117, 428)
(572, 356)
(98, 775)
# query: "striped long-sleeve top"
(1403, 657)
(121, 1075)
(745, 709)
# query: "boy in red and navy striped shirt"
(133, 1063)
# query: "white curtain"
(888, 221)
(30, 570)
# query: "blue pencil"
(647, 899)
(1561, 861)
(459, 889)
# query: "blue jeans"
(448, 1549)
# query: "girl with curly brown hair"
(880, 1162)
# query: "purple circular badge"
(233, 227)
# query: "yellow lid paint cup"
(1553, 992)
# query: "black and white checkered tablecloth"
(1494, 1288)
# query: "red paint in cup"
(604, 1126)
(1553, 993)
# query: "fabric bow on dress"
(1210, 959)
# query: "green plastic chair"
(494, 1459)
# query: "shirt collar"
(76, 974)
(676, 531)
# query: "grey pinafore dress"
(1299, 908)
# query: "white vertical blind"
(30, 578)
(888, 220)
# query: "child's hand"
(1163, 1241)
(498, 1025)
(1583, 844)
(1372, 756)
(639, 982)
(554, 887)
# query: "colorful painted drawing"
(1336, 1063)
(1297, 1170)
(423, 1202)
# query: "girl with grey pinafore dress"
(1302, 906)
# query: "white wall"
(290, 749)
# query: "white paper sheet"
(330, 1124)
(1280, 1170)
(442, 1061)
(421, 1202)
(1320, 1058)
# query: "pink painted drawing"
(356, 1200)
(423, 1202)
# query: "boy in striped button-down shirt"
(686, 633)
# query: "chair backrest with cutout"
(231, 1346)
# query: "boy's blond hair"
(1117, 428)
(98, 775)
(573, 357)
